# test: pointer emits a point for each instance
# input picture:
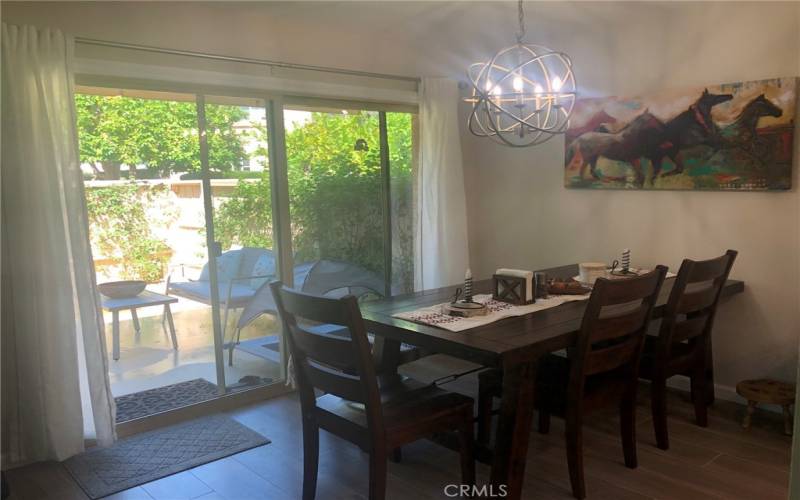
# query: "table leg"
(513, 430)
(171, 323)
(710, 373)
(386, 353)
(115, 333)
(135, 318)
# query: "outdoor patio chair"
(240, 274)
(333, 279)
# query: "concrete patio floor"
(147, 360)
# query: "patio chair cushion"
(264, 266)
(227, 267)
(250, 256)
(201, 292)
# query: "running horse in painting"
(629, 144)
(693, 127)
(648, 137)
(743, 132)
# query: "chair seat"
(552, 380)
(408, 352)
(437, 367)
(410, 409)
(200, 291)
(680, 359)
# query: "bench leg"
(115, 333)
(135, 319)
(748, 417)
(171, 323)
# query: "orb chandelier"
(522, 96)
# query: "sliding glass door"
(350, 188)
(179, 197)
(246, 260)
(336, 200)
(207, 198)
(140, 154)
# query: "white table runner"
(433, 315)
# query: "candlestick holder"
(624, 265)
(466, 307)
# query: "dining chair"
(376, 415)
(683, 344)
(599, 371)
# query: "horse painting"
(732, 136)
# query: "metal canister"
(540, 281)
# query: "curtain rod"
(245, 60)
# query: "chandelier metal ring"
(522, 96)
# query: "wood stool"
(769, 392)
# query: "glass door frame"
(212, 245)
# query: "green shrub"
(336, 198)
(120, 229)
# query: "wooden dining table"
(512, 344)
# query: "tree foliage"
(162, 135)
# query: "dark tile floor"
(721, 461)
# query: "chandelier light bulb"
(518, 84)
(497, 90)
(538, 89)
(557, 83)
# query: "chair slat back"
(614, 325)
(338, 365)
(692, 304)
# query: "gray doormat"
(169, 397)
(155, 454)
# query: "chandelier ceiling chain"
(522, 96)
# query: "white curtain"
(442, 254)
(52, 327)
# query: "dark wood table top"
(522, 337)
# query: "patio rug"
(169, 397)
(155, 454)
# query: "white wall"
(520, 215)
(518, 196)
